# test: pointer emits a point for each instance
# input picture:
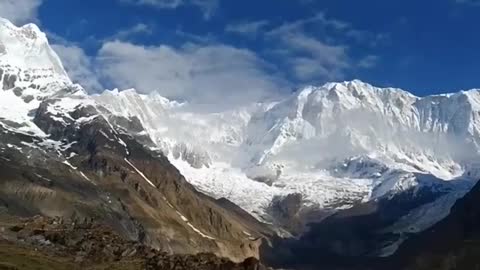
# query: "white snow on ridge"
(298, 145)
(193, 227)
(27, 47)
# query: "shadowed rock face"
(348, 239)
(286, 211)
(453, 243)
(110, 177)
(340, 242)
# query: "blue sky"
(200, 49)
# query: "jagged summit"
(30, 70)
(27, 47)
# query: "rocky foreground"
(54, 243)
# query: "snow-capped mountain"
(30, 71)
(336, 145)
(28, 62)
(63, 154)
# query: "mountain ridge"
(321, 149)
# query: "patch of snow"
(66, 162)
(193, 227)
(140, 173)
(43, 178)
(86, 178)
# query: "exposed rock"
(451, 244)
(286, 211)
(197, 158)
(88, 243)
(9, 81)
(347, 238)
(17, 91)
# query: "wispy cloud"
(203, 74)
(159, 3)
(314, 57)
(199, 39)
(79, 66)
(138, 29)
(208, 7)
(199, 74)
(320, 18)
(204, 68)
(20, 11)
(368, 61)
(249, 29)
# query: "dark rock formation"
(451, 244)
(346, 239)
(286, 211)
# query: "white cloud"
(208, 7)
(137, 29)
(78, 66)
(208, 72)
(314, 57)
(320, 18)
(250, 29)
(311, 58)
(19, 11)
(368, 61)
(160, 3)
(211, 74)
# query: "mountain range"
(346, 168)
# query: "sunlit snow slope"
(337, 145)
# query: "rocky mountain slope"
(63, 154)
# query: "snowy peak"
(447, 113)
(27, 47)
(29, 67)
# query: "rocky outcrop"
(88, 244)
(286, 211)
(9, 81)
(196, 157)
